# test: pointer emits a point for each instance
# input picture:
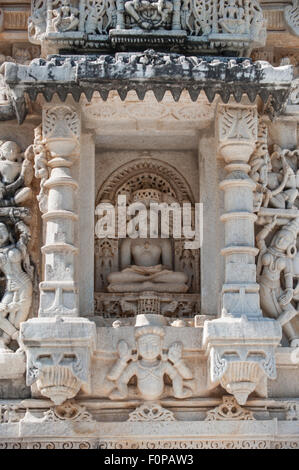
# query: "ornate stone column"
(237, 135)
(241, 344)
(58, 344)
(61, 132)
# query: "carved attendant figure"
(65, 17)
(233, 21)
(275, 275)
(149, 14)
(15, 172)
(150, 367)
(16, 301)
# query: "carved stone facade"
(149, 224)
(196, 25)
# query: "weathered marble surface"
(147, 71)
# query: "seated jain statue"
(146, 263)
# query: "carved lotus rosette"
(58, 383)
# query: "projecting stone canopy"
(145, 71)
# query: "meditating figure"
(147, 266)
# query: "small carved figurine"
(65, 17)
(149, 14)
(149, 366)
(15, 173)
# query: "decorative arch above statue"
(146, 172)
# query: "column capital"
(236, 132)
(61, 129)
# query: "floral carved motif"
(151, 413)
(229, 410)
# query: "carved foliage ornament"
(70, 410)
(229, 410)
(151, 413)
(60, 122)
(237, 123)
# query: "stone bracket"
(59, 352)
(241, 353)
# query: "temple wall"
(140, 339)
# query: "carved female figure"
(275, 275)
(15, 172)
(16, 301)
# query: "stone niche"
(146, 177)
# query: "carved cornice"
(146, 71)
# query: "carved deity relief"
(15, 176)
(233, 17)
(146, 264)
(196, 17)
(276, 174)
(149, 364)
(100, 16)
(149, 14)
(65, 17)
(37, 22)
(277, 274)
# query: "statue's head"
(10, 151)
(149, 342)
(285, 239)
(4, 234)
